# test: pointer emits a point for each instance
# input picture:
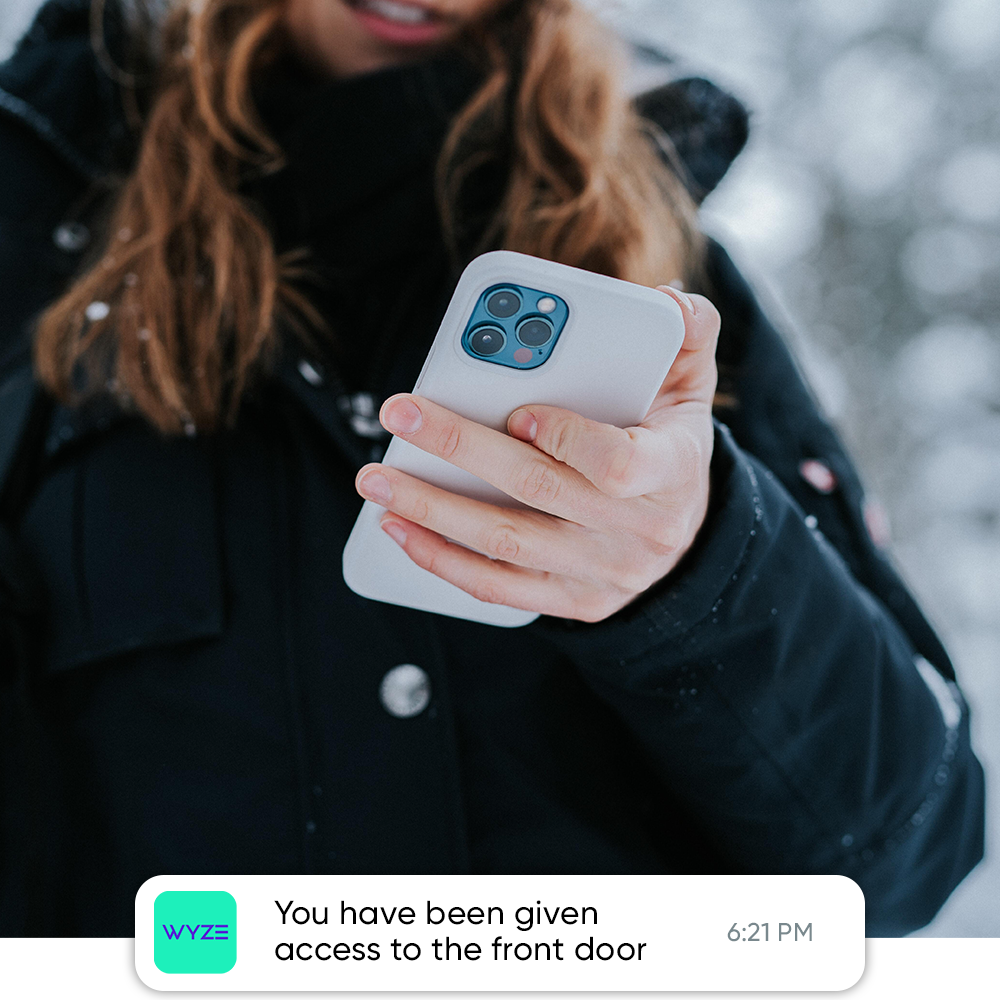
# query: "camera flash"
(546, 305)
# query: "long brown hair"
(180, 310)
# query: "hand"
(613, 510)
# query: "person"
(224, 255)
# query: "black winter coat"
(211, 698)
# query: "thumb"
(693, 375)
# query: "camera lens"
(503, 304)
(487, 341)
(535, 332)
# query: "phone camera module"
(535, 332)
(503, 304)
(487, 341)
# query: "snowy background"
(867, 209)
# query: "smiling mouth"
(404, 14)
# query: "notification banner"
(384, 933)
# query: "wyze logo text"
(209, 932)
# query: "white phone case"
(608, 364)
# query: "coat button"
(71, 237)
(405, 691)
(818, 475)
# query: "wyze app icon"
(194, 932)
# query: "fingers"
(623, 559)
(620, 463)
(516, 468)
(524, 538)
(499, 582)
(623, 464)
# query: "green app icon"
(194, 932)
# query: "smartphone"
(518, 330)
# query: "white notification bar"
(442, 933)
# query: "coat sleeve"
(784, 705)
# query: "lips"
(400, 22)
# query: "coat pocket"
(125, 537)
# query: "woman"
(727, 677)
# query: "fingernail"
(676, 283)
(522, 424)
(375, 486)
(402, 416)
(683, 299)
(395, 531)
